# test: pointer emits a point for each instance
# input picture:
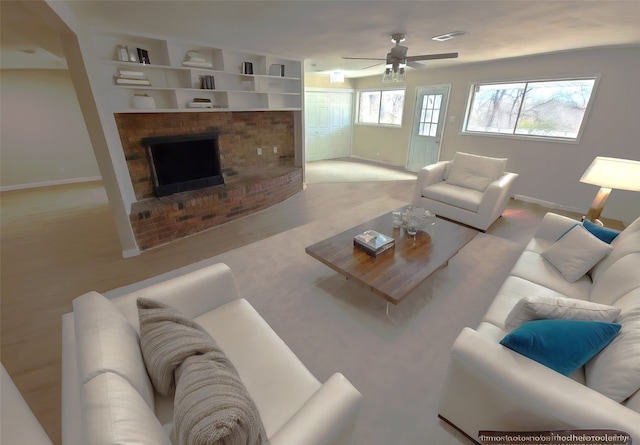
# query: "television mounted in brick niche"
(184, 162)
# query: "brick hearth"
(252, 182)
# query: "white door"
(328, 125)
(428, 123)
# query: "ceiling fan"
(397, 58)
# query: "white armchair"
(473, 190)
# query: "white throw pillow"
(475, 172)
(576, 252)
(546, 306)
(615, 371)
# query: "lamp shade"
(613, 173)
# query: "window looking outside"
(430, 114)
(553, 109)
(380, 107)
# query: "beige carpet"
(398, 362)
(353, 170)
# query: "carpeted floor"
(353, 170)
(398, 362)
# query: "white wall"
(43, 137)
(549, 171)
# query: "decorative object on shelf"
(610, 173)
(247, 68)
(143, 56)
(373, 243)
(276, 69)
(207, 82)
(130, 77)
(201, 102)
(122, 54)
(196, 61)
(143, 101)
(133, 54)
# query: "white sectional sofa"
(108, 397)
(490, 387)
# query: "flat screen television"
(184, 162)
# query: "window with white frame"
(380, 107)
(542, 108)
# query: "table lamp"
(610, 173)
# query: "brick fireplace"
(252, 182)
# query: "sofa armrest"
(71, 397)
(553, 226)
(429, 175)
(193, 292)
(328, 417)
(497, 194)
(490, 387)
(19, 424)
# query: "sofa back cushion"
(616, 275)
(114, 413)
(475, 172)
(106, 342)
(615, 372)
(627, 241)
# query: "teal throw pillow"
(605, 234)
(562, 345)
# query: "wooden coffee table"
(393, 274)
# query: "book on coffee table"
(374, 243)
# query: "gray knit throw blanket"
(211, 404)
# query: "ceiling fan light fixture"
(394, 74)
(448, 36)
(398, 37)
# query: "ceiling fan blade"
(371, 66)
(432, 57)
(363, 58)
(413, 64)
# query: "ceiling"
(322, 32)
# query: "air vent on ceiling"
(448, 36)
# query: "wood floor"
(60, 242)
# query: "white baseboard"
(7, 188)
(549, 204)
(129, 253)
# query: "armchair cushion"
(462, 197)
(475, 172)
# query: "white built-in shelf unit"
(173, 86)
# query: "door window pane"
(430, 114)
